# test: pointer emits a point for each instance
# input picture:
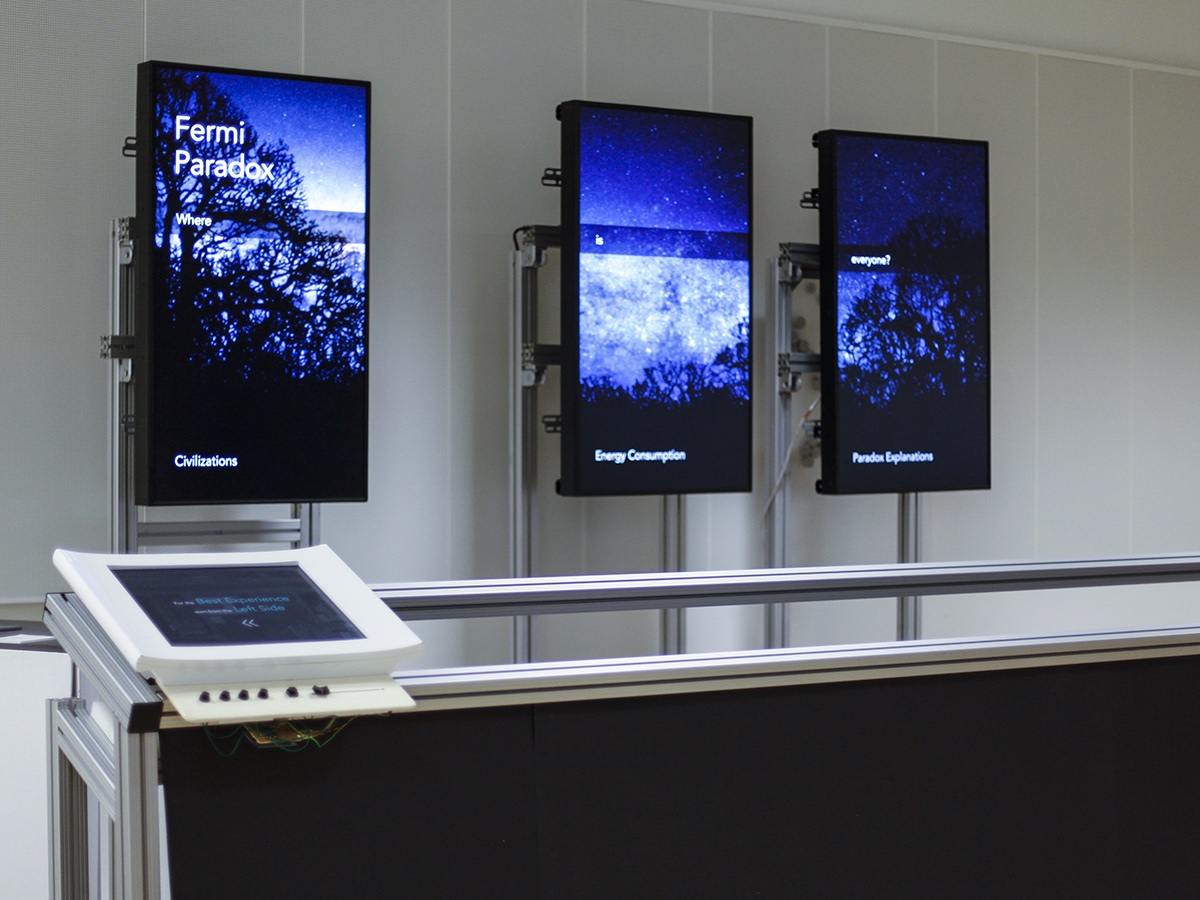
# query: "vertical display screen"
(655, 300)
(251, 308)
(904, 313)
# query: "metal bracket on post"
(129, 533)
(530, 361)
(794, 263)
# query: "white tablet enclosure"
(248, 636)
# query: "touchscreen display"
(215, 605)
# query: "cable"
(279, 735)
(516, 231)
(787, 457)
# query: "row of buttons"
(319, 690)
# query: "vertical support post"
(522, 293)
(908, 530)
(522, 433)
(781, 419)
(123, 512)
(309, 517)
(68, 818)
(674, 621)
(137, 820)
(776, 623)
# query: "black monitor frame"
(271, 425)
(921, 421)
(636, 438)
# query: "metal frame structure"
(795, 263)
(530, 360)
(118, 764)
(129, 530)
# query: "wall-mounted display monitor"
(904, 302)
(251, 303)
(656, 212)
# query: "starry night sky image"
(885, 182)
(912, 298)
(260, 279)
(281, 268)
(912, 304)
(323, 124)
(664, 275)
(663, 299)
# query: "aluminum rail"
(595, 593)
(123, 691)
(552, 682)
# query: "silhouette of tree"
(924, 333)
(263, 289)
(672, 382)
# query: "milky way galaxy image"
(656, 300)
(905, 336)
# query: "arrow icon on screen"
(249, 623)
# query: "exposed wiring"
(516, 231)
(280, 735)
(785, 463)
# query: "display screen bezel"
(943, 446)
(92, 576)
(720, 451)
(287, 440)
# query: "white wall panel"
(1160, 32)
(647, 54)
(263, 34)
(1165, 374)
(881, 82)
(402, 50)
(511, 63)
(992, 95)
(1083, 351)
(67, 89)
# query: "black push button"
(263, 693)
(292, 692)
(205, 696)
(224, 695)
(243, 694)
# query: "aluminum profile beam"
(134, 703)
(655, 676)
(533, 596)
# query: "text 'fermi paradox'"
(214, 167)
